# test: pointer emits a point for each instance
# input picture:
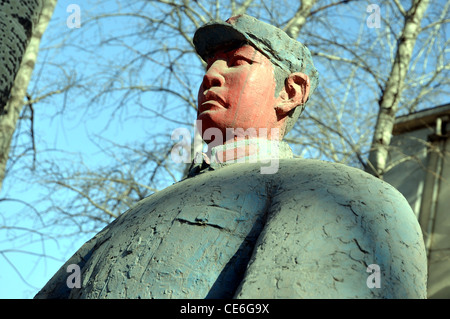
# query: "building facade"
(419, 167)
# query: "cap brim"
(212, 36)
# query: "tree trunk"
(390, 98)
(294, 25)
(16, 25)
(21, 29)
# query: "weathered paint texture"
(285, 52)
(291, 59)
(308, 231)
(237, 91)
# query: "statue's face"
(237, 92)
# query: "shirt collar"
(243, 151)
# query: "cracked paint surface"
(309, 231)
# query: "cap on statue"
(284, 51)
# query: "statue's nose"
(213, 77)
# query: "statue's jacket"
(313, 229)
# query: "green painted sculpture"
(251, 221)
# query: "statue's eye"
(239, 60)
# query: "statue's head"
(257, 77)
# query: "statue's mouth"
(210, 101)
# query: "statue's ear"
(294, 93)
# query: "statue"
(239, 228)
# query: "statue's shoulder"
(335, 177)
(334, 184)
(328, 225)
(315, 166)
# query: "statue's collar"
(244, 151)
